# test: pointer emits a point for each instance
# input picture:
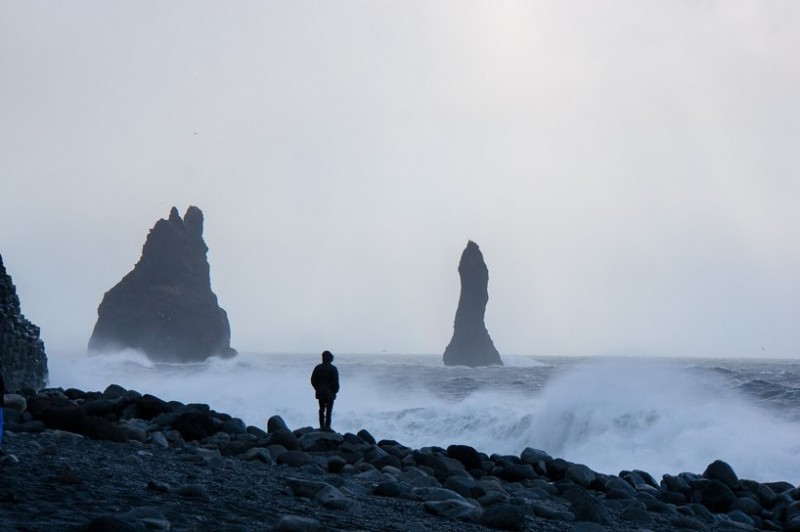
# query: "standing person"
(325, 380)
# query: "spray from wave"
(610, 415)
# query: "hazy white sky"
(629, 168)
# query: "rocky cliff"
(22, 358)
(165, 306)
(471, 344)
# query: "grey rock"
(295, 523)
(552, 512)
(515, 472)
(149, 517)
(165, 307)
(766, 496)
(418, 478)
(438, 494)
(320, 441)
(330, 497)
(442, 466)
(702, 513)
(372, 475)
(587, 508)
(747, 505)
(134, 461)
(324, 493)
(641, 480)
(159, 487)
(259, 453)
(585, 526)
(676, 484)
(8, 459)
(739, 516)
(535, 457)
(23, 361)
(468, 456)
(504, 517)
(294, 459)
(779, 487)
(454, 509)
(721, 471)
(276, 423)
(636, 514)
(193, 491)
(159, 439)
(689, 523)
(366, 436)
(15, 402)
(616, 488)
(336, 464)
(392, 489)
(465, 486)
(285, 438)
(110, 523)
(304, 488)
(580, 475)
(793, 524)
(717, 496)
(493, 497)
(471, 344)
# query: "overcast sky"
(628, 168)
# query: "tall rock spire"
(471, 344)
(165, 306)
(22, 358)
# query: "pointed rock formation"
(22, 358)
(471, 344)
(165, 306)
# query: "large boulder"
(471, 344)
(165, 306)
(23, 362)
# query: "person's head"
(327, 356)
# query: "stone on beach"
(343, 480)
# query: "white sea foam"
(611, 414)
(662, 419)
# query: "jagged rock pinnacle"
(165, 306)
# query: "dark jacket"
(2, 391)
(325, 380)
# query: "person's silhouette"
(325, 380)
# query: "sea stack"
(471, 344)
(22, 358)
(165, 307)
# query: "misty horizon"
(629, 171)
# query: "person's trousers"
(325, 408)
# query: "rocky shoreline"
(119, 460)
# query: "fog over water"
(629, 169)
(661, 416)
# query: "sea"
(660, 415)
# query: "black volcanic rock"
(471, 344)
(165, 306)
(22, 358)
